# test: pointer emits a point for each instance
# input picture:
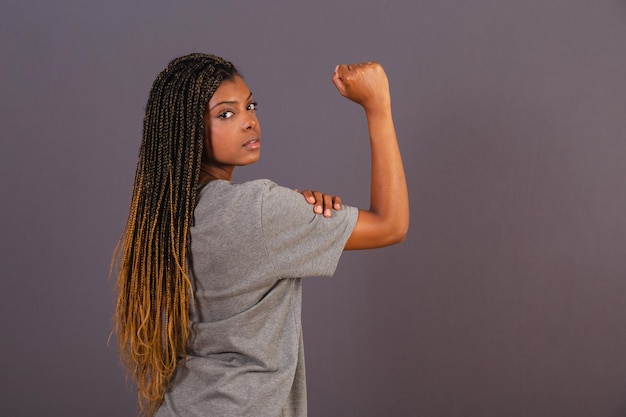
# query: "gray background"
(508, 297)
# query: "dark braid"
(151, 319)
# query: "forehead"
(233, 90)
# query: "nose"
(250, 122)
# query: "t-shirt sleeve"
(299, 242)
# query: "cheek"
(217, 140)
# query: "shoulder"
(227, 186)
(264, 191)
(251, 196)
(224, 190)
(225, 205)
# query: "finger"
(319, 200)
(328, 203)
(337, 202)
(308, 195)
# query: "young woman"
(208, 313)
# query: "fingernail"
(327, 213)
(318, 209)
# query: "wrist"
(377, 111)
(377, 104)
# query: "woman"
(208, 314)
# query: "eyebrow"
(229, 102)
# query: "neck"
(210, 173)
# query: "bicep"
(374, 231)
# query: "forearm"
(387, 220)
(389, 198)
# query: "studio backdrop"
(508, 297)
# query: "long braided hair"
(154, 290)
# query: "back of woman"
(250, 243)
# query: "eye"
(226, 115)
(253, 106)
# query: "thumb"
(338, 81)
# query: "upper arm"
(299, 242)
(374, 231)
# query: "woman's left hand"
(322, 203)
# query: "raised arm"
(387, 220)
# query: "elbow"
(401, 237)
(395, 230)
(398, 226)
(373, 231)
(399, 234)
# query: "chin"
(250, 161)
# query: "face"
(233, 132)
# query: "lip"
(254, 143)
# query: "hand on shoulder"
(322, 203)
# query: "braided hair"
(151, 317)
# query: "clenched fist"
(365, 83)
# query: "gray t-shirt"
(250, 244)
